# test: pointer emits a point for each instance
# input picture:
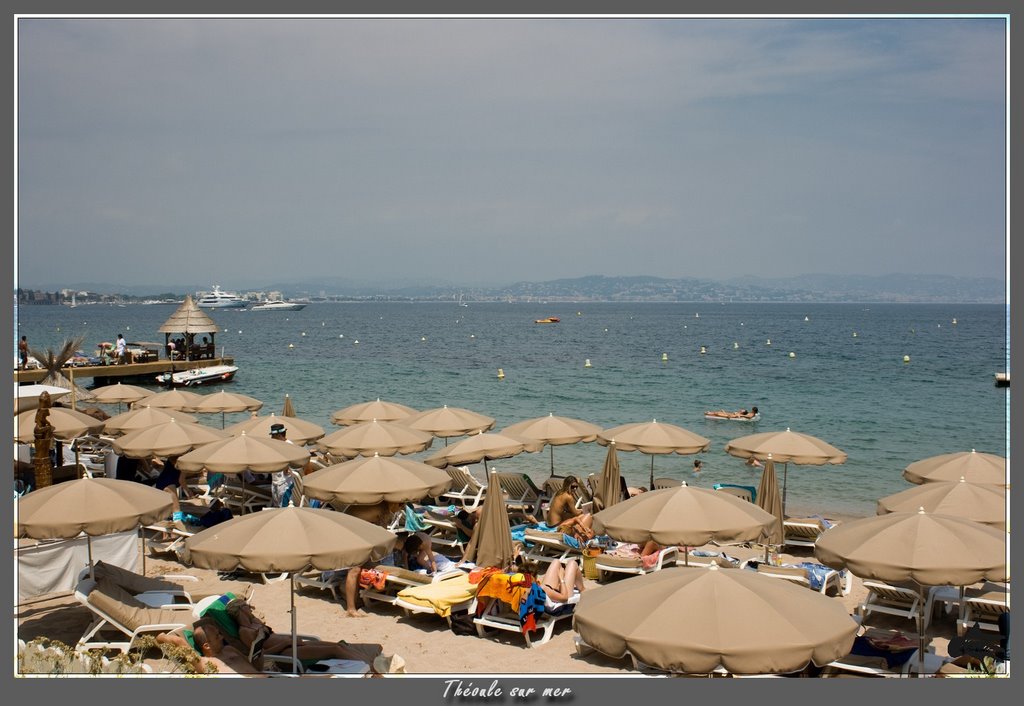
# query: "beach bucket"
(590, 571)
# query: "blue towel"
(413, 522)
(816, 573)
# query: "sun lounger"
(92, 453)
(397, 579)
(803, 532)
(443, 532)
(121, 618)
(662, 483)
(703, 557)
(546, 546)
(744, 492)
(880, 653)
(613, 563)
(243, 497)
(521, 493)
(893, 600)
(830, 578)
(441, 598)
(154, 591)
(465, 490)
(983, 606)
(498, 615)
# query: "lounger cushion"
(123, 607)
(441, 596)
(130, 581)
(403, 573)
(625, 562)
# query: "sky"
(244, 151)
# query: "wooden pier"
(107, 374)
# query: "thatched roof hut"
(188, 319)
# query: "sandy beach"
(425, 642)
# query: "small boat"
(755, 418)
(278, 305)
(548, 320)
(1002, 379)
(199, 376)
(219, 299)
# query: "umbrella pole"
(142, 548)
(295, 634)
(552, 450)
(652, 471)
(88, 544)
(686, 555)
(920, 631)
(785, 472)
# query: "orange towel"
(508, 588)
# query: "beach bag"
(462, 623)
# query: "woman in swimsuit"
(559, 581)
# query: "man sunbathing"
(212, 651)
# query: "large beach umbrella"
(918, 547)
(120, 393)
(67, 424)
(298, 430)
(445, 422)
(26, 397)
(482, 447)
(223, 401)
(171, 438)
(654, 438)
(95, 506)
(768, 499)
(171, 399)
(699, 620)
(375, 437)
(555, 431)
(981, 503)
(143, 418)
(684, 515)
(491, 542)
(374, 410)
(973, 467)
(609, 485)
(288, 539)
(786, 447)
(237, 454)
(374, 479)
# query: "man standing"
(23, 352)
(281, 484)
(121, 349)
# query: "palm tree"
(54, 362)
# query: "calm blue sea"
(847, 384)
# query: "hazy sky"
(249, 151)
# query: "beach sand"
(425, 641)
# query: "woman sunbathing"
(562, 512)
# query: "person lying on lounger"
(563, 514)
(212, 651)
(558, 581)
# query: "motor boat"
(199, 376)
(548, 320)
(219, 299)
(278, 305)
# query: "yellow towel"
(440, 596)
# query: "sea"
(889, 384)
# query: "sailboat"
(462, 303)
(73, 303)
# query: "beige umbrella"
(699, 620)
(95, 506)
(288, 539)
(289, 409)
(654, 438)
(609, 485)
(67, 424)
(368, 438)
(985, 504)
(786, 447)
(491, 542)
(26, 397)
(482, 447)
(169, 439)
(768, 500)
(555, 431)
(222, 401)
(143, 418)
(375, 479)
(926, 549)
(237, 454)
(973, 467)
(375, 410)
(684, 515)
(444, 422)
(171, 399)
(120, 393)
(298, 431)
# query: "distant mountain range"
(901, 288)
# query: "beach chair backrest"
(521, 490)
(794, 575)
(662, 483)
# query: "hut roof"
(189, 318)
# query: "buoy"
(579, 313)
(303, 333)
(606, 330)
(586, 363)
(806, 319)
(954, 322)
(291, 345)
(735, 344)
(768, 342)
(356, 341)
(501, 373)
(703, 350)
(127, 328)
(696, 316)
(323, 323)
(906, 359)
(855, 334)
(239, 330)
(792, 354)
(664, 356)
(472, 335)
(423, 338)
(341, 335)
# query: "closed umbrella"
(609, 485)
(120, 393)
(379, 410)
(171, 399)
(374, 479)
(926, 549)
(786, 447)
(298, 430)
(288, 539)
(555, 431)
(973, 467)
(768, 499)
(981, 503)
(368, 438)
(143, 418)
(172, 438)
(67, 424)
(445, 422)
(654, 438)
(699, 620)
(289, 409)
(95, 506)
(223, 401)
(491, 543)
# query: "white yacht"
(278, 305)
(219, 299)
